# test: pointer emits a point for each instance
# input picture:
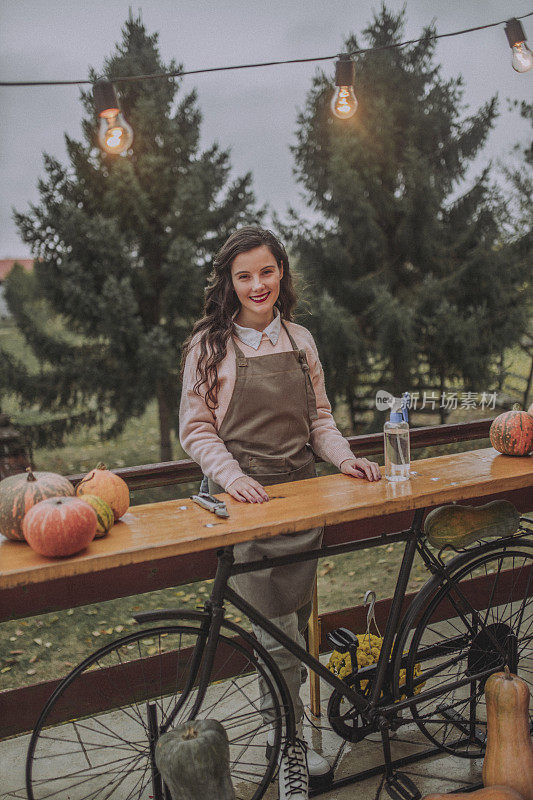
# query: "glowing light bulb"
(522, 55)
(115, 135)
(344, 101)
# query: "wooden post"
(313, 631)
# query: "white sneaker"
(319, 771)
(293, 777)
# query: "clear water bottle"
(397, 445)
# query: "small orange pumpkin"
(109, 487)
(511, 433)
(488, 793)
(509, 755)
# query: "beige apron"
(266, 429)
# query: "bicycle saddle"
(341, 639)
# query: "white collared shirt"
(252, 337)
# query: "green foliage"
(124, 244)
(407, 256)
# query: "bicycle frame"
(368, 707)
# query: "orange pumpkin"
(511, 433)
(509, 755)
(109, 487)
(488, 793)
(59, 526)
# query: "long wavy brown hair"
(214, 328)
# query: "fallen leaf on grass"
(31, 671)
(96, 633)
(16, 652)
(19, 632)
(4, 669)
(38, 641)
(351, 574)
(48, 644)
(33, 659)
(119, 628)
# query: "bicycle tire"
(456, 720)
(107, 753)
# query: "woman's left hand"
(361, 468)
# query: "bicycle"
(473, 615)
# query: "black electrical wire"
(157, 76)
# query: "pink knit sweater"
(199, 426)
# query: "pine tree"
(408, 260)
(124, 244)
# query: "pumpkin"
(511, 433)
(488, 793)
(509, 755)
(110, 487)
(104, 513)
(19, 493)
(458, 525)
(59, 526)
(193, 760)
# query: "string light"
(522, 55)
(180, 74)
(344, 101)
(115, 135)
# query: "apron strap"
(240, 358)
(309, 390)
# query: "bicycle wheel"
(104, 753)
(452, 642)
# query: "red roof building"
(6, 265)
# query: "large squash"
(110, 487)
(458, 525)
(19, 493)
(509, 755)
(511, 433)
(193, 760)
(60, 526)
(488, 793)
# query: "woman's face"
(256, 279)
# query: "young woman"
(253, 413)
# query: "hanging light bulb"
(344, 101)
(522, 55)
(115, 135)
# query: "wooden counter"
(162, 530)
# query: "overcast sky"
(253, 112)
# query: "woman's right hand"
(247, 490)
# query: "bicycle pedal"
(400, 787)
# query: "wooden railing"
(20, 706)
(147, 476)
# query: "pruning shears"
(210, 503)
